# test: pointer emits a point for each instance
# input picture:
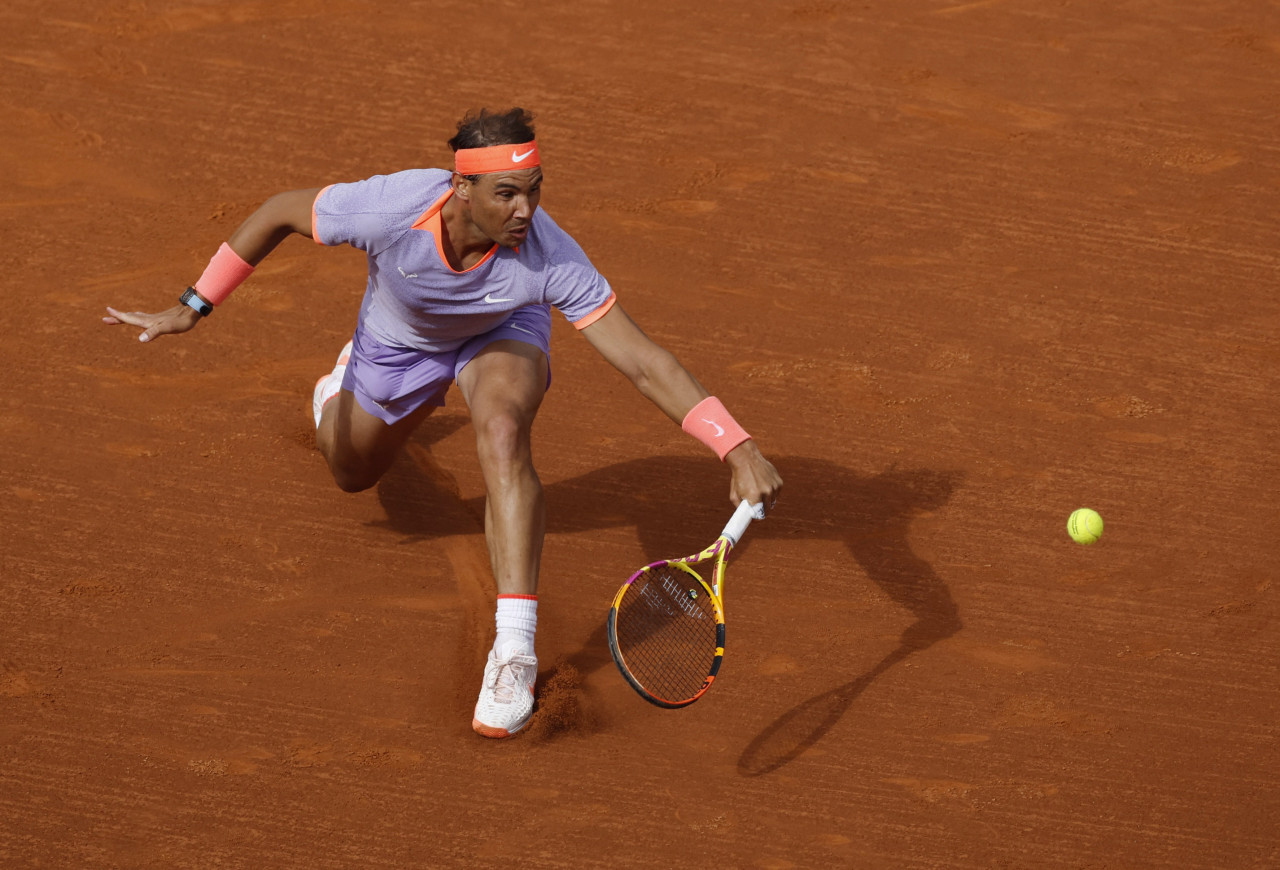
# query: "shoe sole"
(343, 359)
(495, 733)
(315, 414)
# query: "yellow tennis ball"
(1084, 526)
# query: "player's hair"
(484, 128)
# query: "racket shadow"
(801, 727)
(798, 729)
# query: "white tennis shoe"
(329, 385)
(506, 698)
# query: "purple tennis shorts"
(393, 382)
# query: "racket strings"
(666, 631)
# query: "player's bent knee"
(354, 478)
(353, 484)
(503, 438)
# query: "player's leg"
(358, 446)
(369, 405)
(504, 384)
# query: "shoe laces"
(505, 678)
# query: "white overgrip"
(742, 518)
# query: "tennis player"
(464, 268)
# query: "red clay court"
(959, 268)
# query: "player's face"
(503, 203)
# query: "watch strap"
(194, 302)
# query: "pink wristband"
(225, 272)
(710, 423)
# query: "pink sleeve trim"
(315, 234)
(710, 423)
(591, 318)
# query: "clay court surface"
(959, 268)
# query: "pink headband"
(496, 158)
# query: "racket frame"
(715, 555)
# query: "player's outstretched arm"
(654, 370)
(277, 219)
(660, 377)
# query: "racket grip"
(742, 518)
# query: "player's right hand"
(179, 318)
(755, 480)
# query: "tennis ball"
(1084, 526)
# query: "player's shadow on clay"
(420, 496)
(870, 514)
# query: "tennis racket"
(666, 625)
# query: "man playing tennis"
(463, 270)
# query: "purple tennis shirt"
(415, 299)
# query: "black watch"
(191, 300)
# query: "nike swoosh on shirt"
(719, 428)
(491, 299)
(519, 158)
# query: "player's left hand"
(179, 318)
(754, 477)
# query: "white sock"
(517, 621)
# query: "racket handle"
(742, 518)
